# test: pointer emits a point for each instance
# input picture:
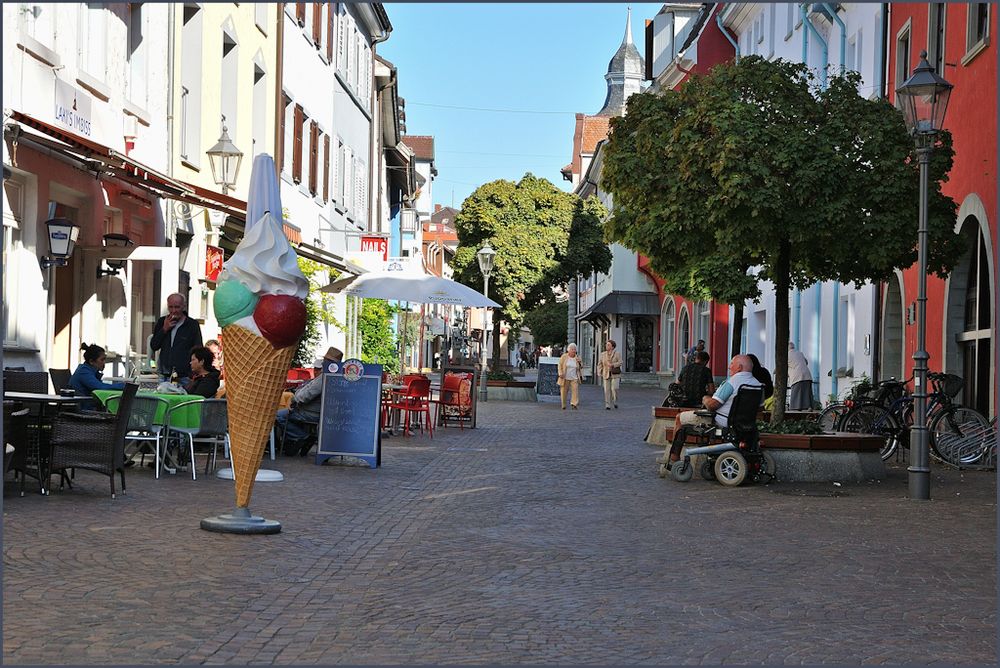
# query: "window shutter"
(326, 168)
(298, 118)
(313, 156)
(348, 177)
(300, 13)
(317, 23)
(329, 32)
(341, 38)
(358, 179)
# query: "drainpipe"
(817, 315)
(822, 45)
(725, 33)
(880, 67)
(843, 32)
(835, 353)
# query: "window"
(902, 56)
(287, 138)
(789, 19)
(668, 325)
(935, 36)
(347, 180)
(975, 340)
(851, 60)
(977, 31)
(306, 160)
(845, 336)
(230, 78)
(340, 190)
(313, 157)
(136, 55)
(297, 120)
(684, 334)
(704, 327)
(191, 60)
(326, 168)
(259, 109)
(93, 30)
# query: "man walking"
(174, 335)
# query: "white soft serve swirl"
(264, 262)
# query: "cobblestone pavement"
(544, 536)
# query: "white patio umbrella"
(406, 287)
(421, 288)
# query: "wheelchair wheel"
(662, 471)
(768, 466)
(731, 469)
(708, 469)
(682, 471)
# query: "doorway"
(639, 345)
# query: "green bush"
(809, 427)
(499, 375)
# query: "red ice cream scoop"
(281, 319)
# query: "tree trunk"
(737, 326)
(496, 343)
(781, 317)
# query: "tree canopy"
(752, 165)
(547, 323)
(543, 236)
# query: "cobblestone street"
(543, 536)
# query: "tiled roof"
(589, 131)
(422, 145)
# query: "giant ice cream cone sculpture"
(259, 303)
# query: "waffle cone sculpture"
(255, 376)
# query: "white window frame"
(288, 140)
(93, 27)
(13, 243)
(972, 49)
(903, 68)
(668, 335)
(790, 20)
(260, 16)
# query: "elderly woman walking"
(609, 368)
(570, 371)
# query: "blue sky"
(526, 57)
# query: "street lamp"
(924, 100)
(115, 265)
(485, 256)
(225, 159)
(62, 235)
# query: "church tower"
(625, 73)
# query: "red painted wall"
(972, 120)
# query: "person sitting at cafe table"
(87, 376)
(174, 335)
(204, 376)
(305, 408)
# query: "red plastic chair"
(455, 402)
(415, 398)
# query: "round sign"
(354, 369)
(333, 367)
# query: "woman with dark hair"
(87, 376)
(204, 376)
(763, 376)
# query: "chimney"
(437, 207)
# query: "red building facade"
(961, 330)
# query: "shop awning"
(622, 303)
(329, 259)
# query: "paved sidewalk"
(544, 536)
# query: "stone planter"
(510, 390)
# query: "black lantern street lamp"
(923, 99)
(62, 235)
(115, 265)
(225, 159)
(485, 256)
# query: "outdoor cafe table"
(186, 417)
(42, 441)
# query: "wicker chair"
(93, 441)
(142, 427)
(14, 420)
(213, 428)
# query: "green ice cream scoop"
(232, 302)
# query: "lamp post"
(485, 256)
(924, 100)
(225, 160)
(62, 235)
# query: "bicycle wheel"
(872, 419)
(831, 416)
(960, 436)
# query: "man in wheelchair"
(718, 407)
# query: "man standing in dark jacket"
(174, 336)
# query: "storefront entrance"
(639, 345)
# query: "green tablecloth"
(185, 417)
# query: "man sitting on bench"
(295, 422)
(689, 422)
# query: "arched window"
(684, 336)
(704, 312)
(668, 322)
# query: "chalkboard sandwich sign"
(350, 414)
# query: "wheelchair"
(739, 459)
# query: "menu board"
(350, 413)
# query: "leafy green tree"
(319, 310)
(542, 236)
(752, 165)
(547, 323)
(378, 344)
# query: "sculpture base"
(240, 521)
(263, 475)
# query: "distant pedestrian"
(694, 350)
(538, 353)
(799, 380)
(174, 335)
(609, 370)
(696, 380)
(570, 372)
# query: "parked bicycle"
(861, 393)
(957, 434)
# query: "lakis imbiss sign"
(378, 245)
